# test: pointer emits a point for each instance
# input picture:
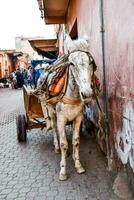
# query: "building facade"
(22, 44)
(7, 64)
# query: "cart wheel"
(21, 128)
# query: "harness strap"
(61, 97)
(70, 101)
(57, 98)
(94, 92)
(64, 99)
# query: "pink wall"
(119, 26)
(88, 20)
(1, 66)
(119, 48)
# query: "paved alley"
(29, 171)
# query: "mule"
(70, 106)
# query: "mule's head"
(82, 70)
(81, 66)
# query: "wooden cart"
(33, 117)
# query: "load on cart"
(30, 76)
(37, 66)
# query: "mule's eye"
(71, 63)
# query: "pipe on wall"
(105, 92)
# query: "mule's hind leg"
(76, 144)
(63, 146)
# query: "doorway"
(74, 31)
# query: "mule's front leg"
(76, 144)
(63, 146)
(53, 126)
(55, 142)
(50, 115)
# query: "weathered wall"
(11, 66)
(119, 32)
(22, 45)
(88, 22)
(119, 48)
(71, 14)
(1, 66)
(6, 65)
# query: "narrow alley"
(30, 170)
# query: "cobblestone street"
(30, 170)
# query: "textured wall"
(119, 31)
(6, 64)
(119, 48)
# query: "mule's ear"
(68, 38)
(69, 44)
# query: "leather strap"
(61, 97)
(70, 101)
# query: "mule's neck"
(72, 90)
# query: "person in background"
(19, 77)
(25, 77)
(31, 77)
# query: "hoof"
(49, 128)
(57, 151)
(48, 125)
(80, 170)
(62, 177)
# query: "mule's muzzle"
(83, 95)
(86, 98)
